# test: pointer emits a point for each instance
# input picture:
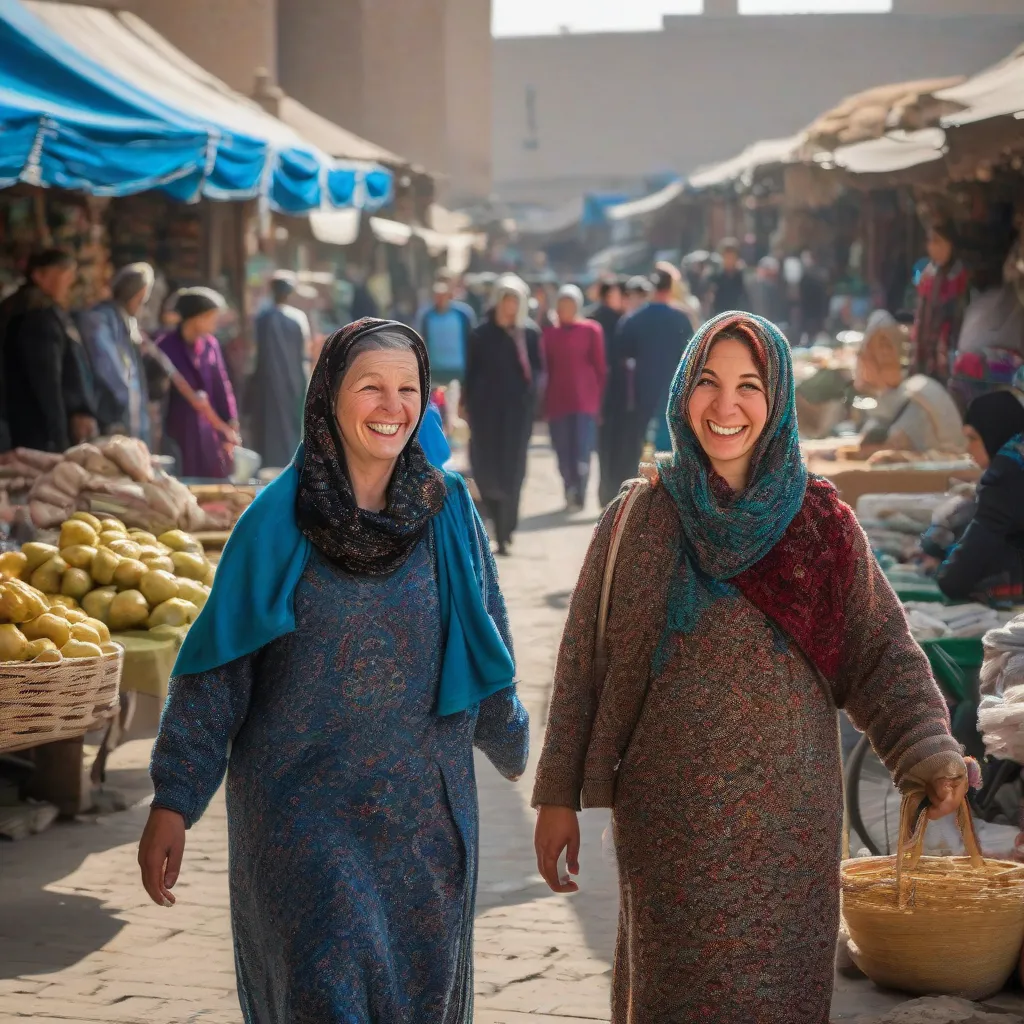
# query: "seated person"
(987, 563)
(914, 415)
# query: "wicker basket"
(935, 925)
(43, 703)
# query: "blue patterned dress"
(352, 808)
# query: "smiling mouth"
(721, 431)
(385, 429)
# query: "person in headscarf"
(746, 607)
(503, 373)
(941, 301)
(577, 370)
(278, 385)
(354, 648)
(913, 415)
(113, 339)
(987, 562)
(206, 442)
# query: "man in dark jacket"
(46, 368)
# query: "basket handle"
(914, 824)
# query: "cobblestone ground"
(80, 941)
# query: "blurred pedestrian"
(113, 340)
(814, 298)
(48, 375)
(941, 300)
(204, 433)
(727, 288)
(767, 294)
(278, 384)
(574, 357)
(445, 327)
(504, 370)
(354, 649)
(608, 309)
(637, 293)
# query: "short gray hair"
(130, 280)
(377, 341)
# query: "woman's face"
(567, 310)
(205, 323)
(940, 249)
(378, 405)
(976, 447)
(729, 408)
(508, 309)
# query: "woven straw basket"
(43, 703)
(935, 925)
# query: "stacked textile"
(894, 522)
(931, 621)
(1001, 711)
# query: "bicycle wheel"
(873, 802)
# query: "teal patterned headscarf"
(725, 533)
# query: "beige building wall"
(231, 38)
(574, 113)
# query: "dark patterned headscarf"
(361, 542)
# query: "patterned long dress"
(352, 808)
(723, 773)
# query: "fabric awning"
(245, 153)
(651, 203)
(741, 168)
(995, 92)
(896, 151)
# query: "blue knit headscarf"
(725, 533)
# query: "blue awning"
(74, 114)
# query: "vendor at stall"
(912, 415)
(987, 563)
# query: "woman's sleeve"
(984, 550)
(885, 682)
(223, 398)
(503, 724)
(202, 716)
(574, 700)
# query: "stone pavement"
(80, 941)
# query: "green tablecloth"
(955, 662)
(148, 660)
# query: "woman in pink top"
(576, 373)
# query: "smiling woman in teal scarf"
(354, 649)
(746, 607)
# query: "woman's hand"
(945, 796)
(558, 829)
(160, 852)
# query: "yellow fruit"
(128, 610)
(159, 562)
(37, 602)
(37, 554)
(143, 537)
(126, 548)
(81, 649)
(74, 531)
(96, 604)
(87, 517)
(74, 615)
(129, 573)
(13, 645)
(100, 627)
(51, 626)
(158, 586)
(104, 565)
(13, 605)
(53, 657)
(75, 583)
(170, 632)
(190, 565)
(178, 540)
(190, 590)
(61, 601)
(109, 647)
(86, 634)
(48, 576)
(79, 556)
(174, 612)
(36, 647)
(13, 563)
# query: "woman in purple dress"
(207, 432)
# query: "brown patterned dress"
(724, 774)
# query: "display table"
(148, 661)
(855, 479)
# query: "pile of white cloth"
(932, 621)
(1001, 711)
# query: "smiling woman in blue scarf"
(745, 608)
(354, 649)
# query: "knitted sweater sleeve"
(885, 682)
